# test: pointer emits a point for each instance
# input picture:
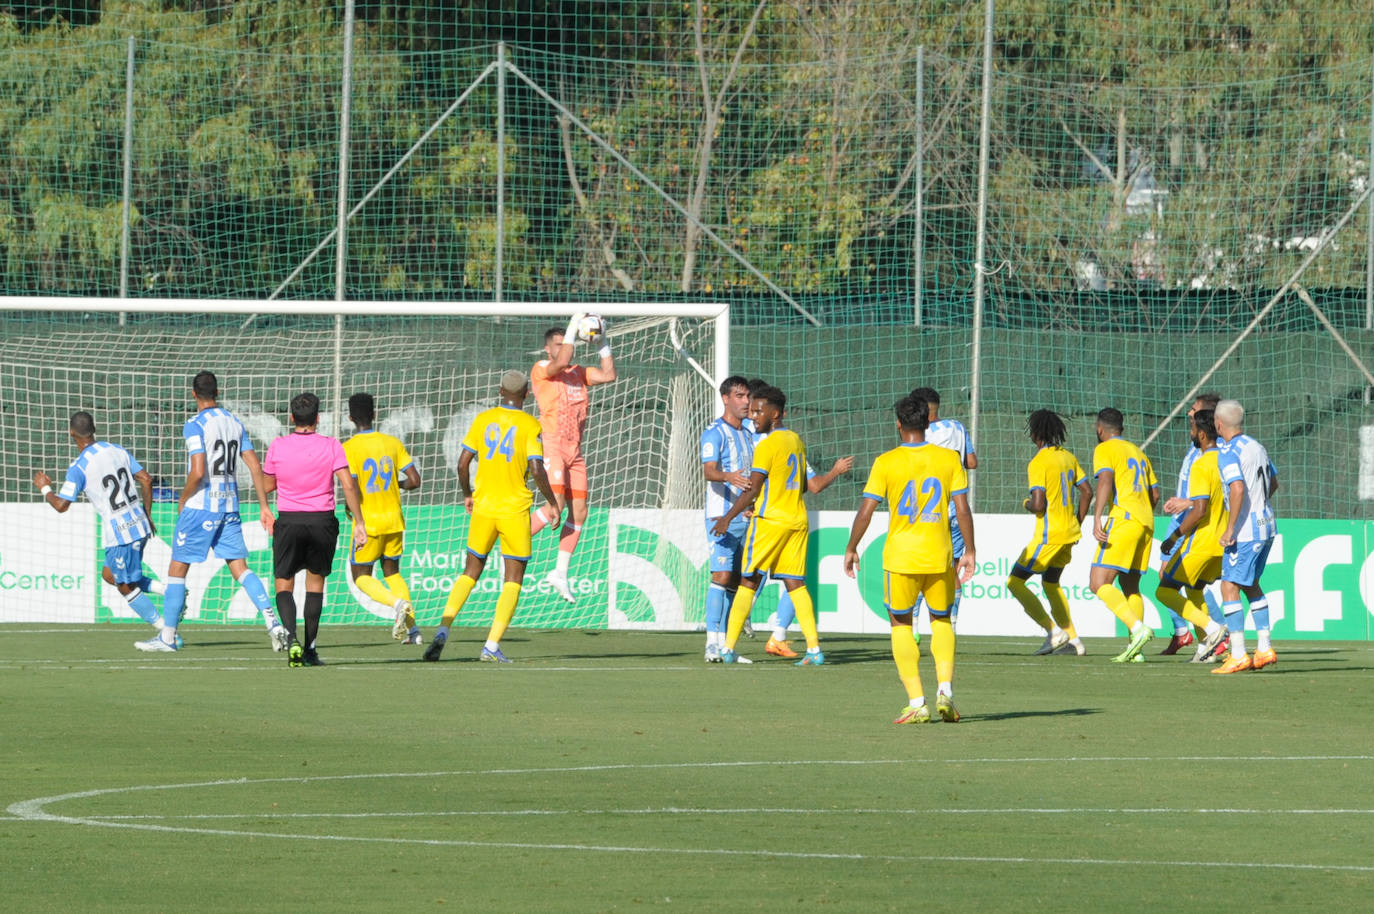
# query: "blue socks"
(252, 585)
(138, 601)
(717, 607)
(786, 611)
(173, 602)
(1214, 609)
(1235, 615)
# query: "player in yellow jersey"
(920, 483)
(383, 469)
(775, 541)
(1127, 485)
(1059, 498)
(505, 441)
(1194, 547)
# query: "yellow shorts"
(1037, 558)
(778, 550)
(1127, 548)
(512, 529)
(380, 546)
(1190, 569)
(901, 590)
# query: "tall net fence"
(1156, 175)
(430, 378)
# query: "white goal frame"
(716, 312)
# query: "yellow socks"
(1059, 609)
(456, 598)
(1116, 601)
(906, 653)
(375, 589)
(1188, 607)
(397, 585)
(806, 616)
(739, 611)
(505, 611)
(942, 648)
(1029, 602)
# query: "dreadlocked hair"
(1047, 427)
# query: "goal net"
(431, 368)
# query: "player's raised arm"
(605, 372)
(562, 357)
(817, 484)
(43, 482)
(856, 533)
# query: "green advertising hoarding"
(647, 569)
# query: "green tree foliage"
(1135, 146)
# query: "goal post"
(431, 367)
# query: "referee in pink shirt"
(301, 467)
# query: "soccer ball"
(590, 327)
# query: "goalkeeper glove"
(570, 335)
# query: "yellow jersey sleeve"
(781, 457)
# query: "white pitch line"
(734, 811)
(33, 810)
(723, 852)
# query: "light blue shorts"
(1243, 563)
(199, 531)
(126, 562)
(726, 550)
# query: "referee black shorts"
(304, 540)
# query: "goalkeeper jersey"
(563, 403)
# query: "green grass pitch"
(612, 771)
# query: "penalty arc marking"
(36, 810)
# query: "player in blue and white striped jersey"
(1251, 481)
(118, 488)
(727, 452)
(948, 433)
(208, 515)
